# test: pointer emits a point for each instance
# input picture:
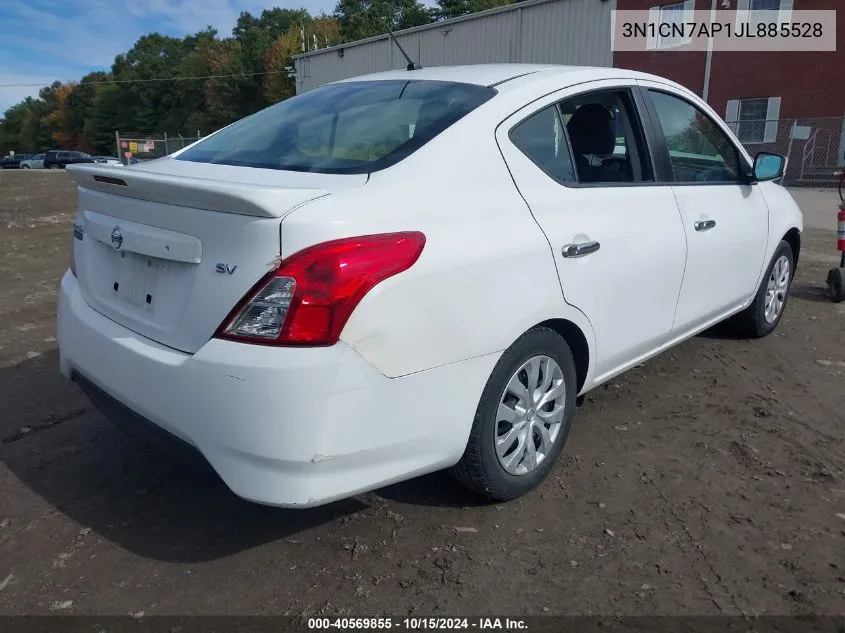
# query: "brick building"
(777, 101)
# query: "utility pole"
(708, 66)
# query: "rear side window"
(346, 128)
(540, 137)
(591, 139)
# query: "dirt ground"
(709, 481)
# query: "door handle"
(704, 225)
(580, 249)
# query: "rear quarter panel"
(486, 274)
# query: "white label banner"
(677, 28)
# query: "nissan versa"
(416, 270)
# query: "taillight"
(78, 234)
(310, 296)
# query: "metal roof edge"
(425, 27)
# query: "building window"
(765, 5)
(756, 12)
(754, 120)
(669, 21)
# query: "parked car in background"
(36, 162)
(417, 270)
(107, 160)
(59, 159)
(132, 161)
(14, 162)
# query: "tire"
(25, 167)
(481, 469)
(53, 167)
(836, 284)
(755, 321)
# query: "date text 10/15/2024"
(417, 624)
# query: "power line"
(153, 80)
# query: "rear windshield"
(345, 128)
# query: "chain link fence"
(141, 147)
(815, 148)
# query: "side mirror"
(769, 166)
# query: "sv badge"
(226, 269)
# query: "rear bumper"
(281, 426)
(139, 426)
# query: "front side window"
(345, 128)
(699, 151)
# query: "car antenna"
(412, 65)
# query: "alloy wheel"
(776, 289)
(530, 415)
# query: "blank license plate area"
(132, 279)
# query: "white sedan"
(416, 270)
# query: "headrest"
(591, 130)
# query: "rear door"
(616, 235)
(726, 220)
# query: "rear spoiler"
(263, 201)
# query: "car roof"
(478, 74)
(499, 74)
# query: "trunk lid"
(167, 250)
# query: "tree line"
(244, 72)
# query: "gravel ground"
(709, 481)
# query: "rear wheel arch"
(497, 461)
(577, 341)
